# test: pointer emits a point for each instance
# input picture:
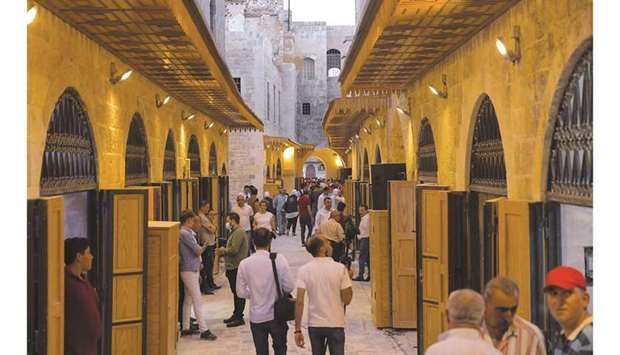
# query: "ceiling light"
(443, 94)
(512, 55)
(31, 14)
(116, 78)
(159, 102)
(188, 117)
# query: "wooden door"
(381, 305)
(514, 248)
(206, 190)
(124, 254)
(176, 200)
(195, 195)
(46, 276)
(434, 263)
(403, 241)
(167, 205)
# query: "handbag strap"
(272, 256)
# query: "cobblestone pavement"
(361, 335)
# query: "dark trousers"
(208, 257)
(291, 222)
(337, 250)
(261, 332)
(231, 275)
(322, 338)
(306, 224)
(364, 259)
(181, 299)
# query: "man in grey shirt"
(189, 267)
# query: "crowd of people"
(477, 323)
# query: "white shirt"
(323, 278)
(244, 213)
(322, 215)
(263, 220)
(256, 282)
(363, 227)
(320, 205)
(462, 341)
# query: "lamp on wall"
(116, 77)
(512, 55)
(368, 131)
(188, 116)
(159, 102)
(31, 14)
(207, 126)
(443, 94)
(224, 131)
(379, 123)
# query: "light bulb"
(433, 90)
(126, 75)
(501, 47)
(31, 14)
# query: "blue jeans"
(261, 333)
(281, 219)
(322, 338)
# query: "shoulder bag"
(284, 308)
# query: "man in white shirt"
(329, 290)
(245, 212)
(364, 259)
(465, 309)
(322, 215)
(256, 282)
(321, 200)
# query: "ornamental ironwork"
(570, 159)
(487, 170)
(212, 160)
(69, 162)
(193, 154)
(136, 156)
(427, 157)
(170, 164)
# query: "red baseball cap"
(565, 277)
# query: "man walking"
(245, 213)
(362, 237)
(189, 267)
(207, 236)
(323, 214)
(464, 312)
(279, 203)
(256, 283)
(568, 300)
(333, 232)
(236, 250)
(329, 290)
(305, 216)
(503, 328)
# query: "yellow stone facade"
(525, 95)
(60, 57)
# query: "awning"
(399, 40)
(345, 116)
(168, 43)
(279, 143)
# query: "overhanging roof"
(281, 142)
(167, 42)
(345, 116)
(399, 40)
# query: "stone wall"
(246, 160)
(218, 29)
(60, 57)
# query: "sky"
(334, 12)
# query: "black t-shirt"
(291, 204)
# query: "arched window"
(427, 157)
(570, 158)
(212, 160)
(69, 161)
(193, 153)
(136, 155)
(333, 62)
(487, 167)
(308, 68)
(377, 155)
(366, 171)
(170, 162)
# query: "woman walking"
(292, 211)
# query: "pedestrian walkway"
(362, 338)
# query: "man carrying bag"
(264, 291)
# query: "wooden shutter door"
(514, 248)
(125, 243)
(403, 241)
(434, 245)
(381, 306)
(46, 276)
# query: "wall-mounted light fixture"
(443, 94)
(224, 131)
(31, 14)
(357, 137)
(210, 125)
(379, 123)
(116, 77)
(159, 102)
(368, 131)
(512, 55)
(187, 117)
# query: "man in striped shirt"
(509, 333)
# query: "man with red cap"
(567, 299)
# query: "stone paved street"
(361, 335)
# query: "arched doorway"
(170, 162)
(193, 154)
(314, 167)
(136, 154)
(427, 157)
(377, 155)
(212, 160)
(310, 172)
(366, 167)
